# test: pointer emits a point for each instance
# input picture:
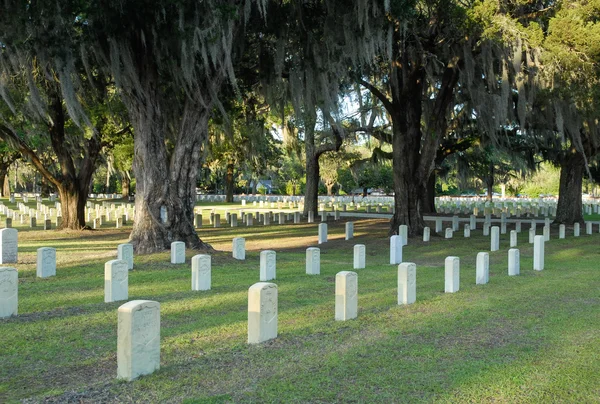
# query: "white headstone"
(346, 295)
(217, 220)
(588, 228)
(514, 266)
(359, 256)
(395, 250)
(407, 283)
(576, 229)
(9, 292)
(268, 265)
(452, 274)
(322, 233)
(538, 253)
(486, 229)
(239, 248)
(138, 341)
(262, 312)
(438, 225)
(177, 252)
(426, 234)
(448, 232)
(482, 268)
(8, 246)
(313, 261)
(495, 239)
(46, 262)
(546, 233)
(116, 281)
(201, 272)
(518, 226)
(349, 230)
(403, 232)
(561, 231)
(454, 223)
(125, 253)
(531, 234)
(472, 222)
(311, 216)
(513, 238)
(467, 231)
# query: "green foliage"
(545, 181)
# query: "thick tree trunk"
(490, 190)
(167, 181)
(229, 182)
(569, 209)
(311, 193)
(5, 186)
(72, 202)
(429, 198)
(329, 189)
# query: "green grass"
(530, 338)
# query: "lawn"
(529, 338)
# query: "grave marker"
(116, 281)
(262, 312)
(407, 283)
(9, 292)
(201, 272)
(313, 261)
(346, 295)
(46, 262)
(268, 265)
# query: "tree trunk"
(311, 193)
(429, 198)
(569, 209)
(329, 189)
(166, 181)
(229, 182)
(5, 186)
(72, 203)
(125, 184)
(490, 190)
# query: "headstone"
(448, 233)
(561, 231)
(239, 248)
(454, 223)
(349, 230)
(495, 239)
(177, 252)
(531, 234)
(438, 225)
(576, 228)
(538, 253)
(46, 262)
(217, 220)
(395, 250)
(116, 281)
(473, 222)
(9, 292)
(32, 222)
(588, 228)
(513, 262)
(201, 272)
(268, 265)
(426, 234)
(234, 220)
(296, 217)
(513, 238)
(311, 216)
(313, 261)
(467, 231)
(546, 233)
(8, 223)
(262, 312)
(407, 283)
(482, 268)
(518, 226)
(346, 295)
(403, 232)
(452, 274)
(125, 253)
(8, 246)
(486, 229)
(359, 256)
(138, 341)
(197, 221)
(322, 233)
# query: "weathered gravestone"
(313, 261)
(268, 265)
(125, 253)
(482, 270)
(514, 267)
(116, 281)
(349, 230)
(395, 250)
(201, 272)
(407, 283)
(8, 246)
(262, 312)
(346, 295)
(177, 252)
(359, 256)
(239, 248)
(9, 292)
(46, 262)
(452, 274)
(138, 340)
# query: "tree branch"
(389, 106)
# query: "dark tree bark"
(429, 199)
(6, 160)
(229, 185)
(569, 208)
